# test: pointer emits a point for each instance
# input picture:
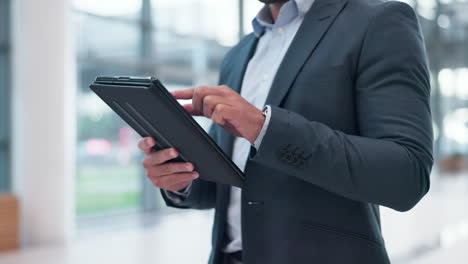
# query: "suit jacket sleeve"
(389, 162)
(202, 194)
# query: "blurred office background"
(73, 164)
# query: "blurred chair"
(9, 222)
(454, 164)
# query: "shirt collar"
(289, 11)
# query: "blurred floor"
(165, 243)
(438, 223)
(453, 255)
(434, 232)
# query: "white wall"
(43, 136)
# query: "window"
(4, 95)
(180, 42)
(107, 171)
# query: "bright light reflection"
(435, 130)
(426, 9)
(454, 82)
(443, 21)
(447, 84)
(409, 2)
(456, 126)
(462, 83)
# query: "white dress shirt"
(274, 41)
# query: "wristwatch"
(266, 110)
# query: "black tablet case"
(147, 106)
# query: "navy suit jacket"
(350, 130)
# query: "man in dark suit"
(346, 128)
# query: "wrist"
(258, 124)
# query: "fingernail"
(148, 141)
(195, 175)
(189, 167)
(174, 153)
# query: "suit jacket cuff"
(278, 135)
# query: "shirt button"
(265, 77)
(280, 31)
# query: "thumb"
(189, 108)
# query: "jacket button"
(254, 203)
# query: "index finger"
(199, 91)
(146, 144)
(184, 94)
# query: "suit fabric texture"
(350, 131)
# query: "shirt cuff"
(178, 197)
(258, 140)
(185, 191)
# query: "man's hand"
(226, 108)
(172, 176)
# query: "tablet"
(146, 106)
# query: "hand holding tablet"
(146, 105)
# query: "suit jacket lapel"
(239, 64)
(315, 25)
